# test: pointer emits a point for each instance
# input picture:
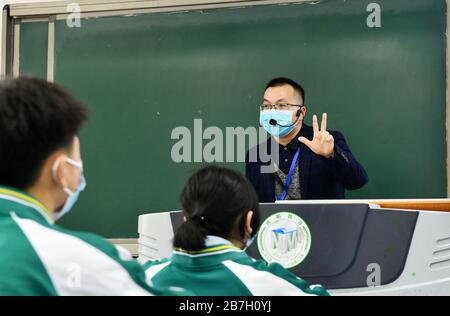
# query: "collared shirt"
(215, 240)
(287, 154)
(221, 269)
(20, 197)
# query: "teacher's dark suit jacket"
(320, 178)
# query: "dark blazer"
(320, 178)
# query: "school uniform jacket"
(38, 257)
(224, 270)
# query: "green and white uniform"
(38, 257)
(224, 270)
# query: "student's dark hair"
(281, 81)
(36, 118)
(215, 201)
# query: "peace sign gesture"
(323, 142)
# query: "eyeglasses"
(279, 106)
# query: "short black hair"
(281, 81)
(36, 118)
(215, 201)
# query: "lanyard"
(289, 177)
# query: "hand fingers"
(330, 138)
(315, 124)
(323, 126)
(324, 137)
(305, 141)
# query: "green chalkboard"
(33, 49)
(146, 74)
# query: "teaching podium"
(349, 247)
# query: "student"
(222, 218)
(41, 177)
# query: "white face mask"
(72, 196)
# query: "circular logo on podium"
(284, 238)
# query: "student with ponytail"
(221, 220)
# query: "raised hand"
(322, 142)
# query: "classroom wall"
(225, 55)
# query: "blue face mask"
(73, 196)
(277, 123)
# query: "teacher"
(312, 162)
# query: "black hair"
(281, 81)
(215, 201)
(36, 118)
